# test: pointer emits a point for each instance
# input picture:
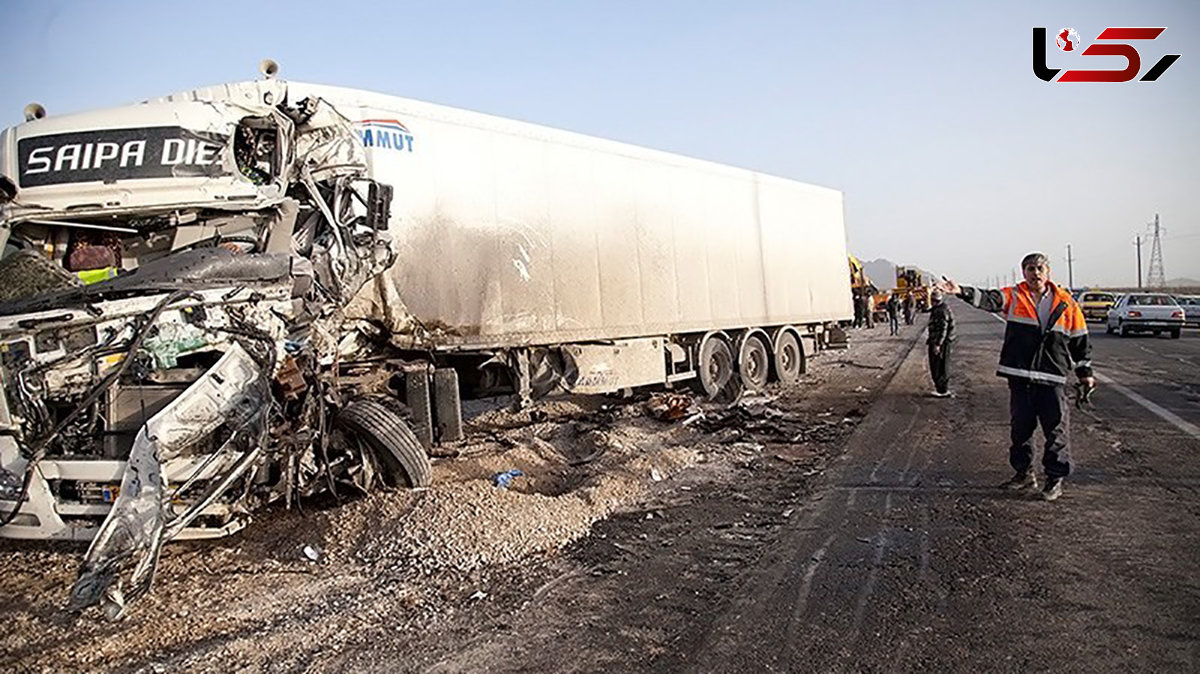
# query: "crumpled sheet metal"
(327, 145)
(133, 531)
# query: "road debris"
(503, 480)
(669, 406)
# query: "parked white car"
(1191, 308)
(1146, 312)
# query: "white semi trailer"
(202, 296)
(512, 235)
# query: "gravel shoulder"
(411, 580)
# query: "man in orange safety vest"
(1045, 339)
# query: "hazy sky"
(951, 153)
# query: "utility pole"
(1138, 244)
(1070, 271)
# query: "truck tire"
(718, 380)
(754, 363)
(789, 358)
(401, 459)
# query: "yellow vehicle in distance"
(1096, 303)
(911, 280)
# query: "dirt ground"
(850, 523)
(417, 572)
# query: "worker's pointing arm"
(988, 299)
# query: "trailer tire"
(401, 458)
(789, 358)
(718, 380)
(754, 363)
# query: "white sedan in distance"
(1146, 312)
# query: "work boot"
(1054, 487)
(1024, 479)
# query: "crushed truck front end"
(170, 294)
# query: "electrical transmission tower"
(1156, 277)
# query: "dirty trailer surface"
(792, 534)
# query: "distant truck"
(257, 291)
(861, 284)
(911, 281)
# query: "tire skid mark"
(917, 448)
(868, 589)
(801, 605)
(912, 421)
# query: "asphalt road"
(904, 555)
(910, 559)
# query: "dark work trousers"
(894, 323)
(1031, 404)
(939, 367)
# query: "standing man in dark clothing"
(941, 336)
(909, 304)
(893, 312)
(1044, 340)
(858, 308)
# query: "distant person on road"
(909, 305)
(941, 337)
(869, 309)
(893, 312)
(858, 308)
(1045, 338)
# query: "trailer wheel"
(789, 358)
(401, 458)
(717, 376)
(754, 363)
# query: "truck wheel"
(401, 458)
(789, 358)
(754, 363)
(717, 377)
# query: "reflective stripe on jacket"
(1043, 356)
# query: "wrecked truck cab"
(170, 295)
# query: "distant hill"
(882, 273)
(1181, 282)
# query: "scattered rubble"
(403, 562)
